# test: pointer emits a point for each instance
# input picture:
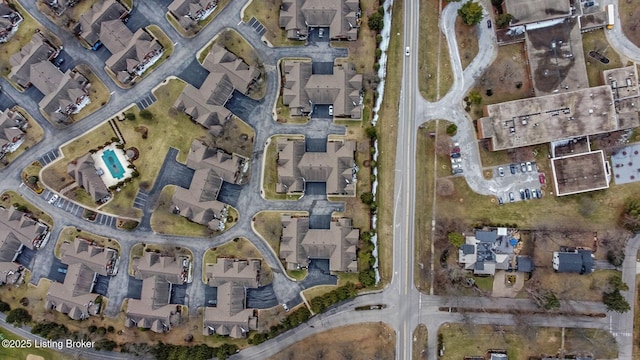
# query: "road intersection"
(406, 306)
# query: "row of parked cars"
(456, 159)
(525, 194)
(524, 168)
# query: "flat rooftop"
(580, 173)
(549, 118)
(623, 82)
(528, 11)
(556, 58)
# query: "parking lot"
(49, 157)
(518, 182)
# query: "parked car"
(539, 193)
(489, 24)
(53, 199)
(534, 193)
(541, 178)
(511, 197)
(523, 167)
(457, 171)
(521, 194)
(527, 194)
(589, 4)
(321, 33)
(456, 160)
(407, 51)
(285, 307)
(500, 201)
(455, 149)
(513, 168)
(62, 270)
(455, 166)
(529, 167)
(59, 61)
(501, 171)
(330, 110)
(455, 155)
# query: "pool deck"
(106, 176)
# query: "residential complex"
(342, 17)
(10, 19)
(13, 126)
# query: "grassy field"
(8, 198)
(270, 172)
(387, 135)
(238, 248)
(33, 135)
(467, 37)
(98, 93)
(629, 11)
(196, 27)
(268, 13)
(420, 345)
(362, 341)
(595, 40)
(69, 233)
(502, 77)
(17, 353)
(571, 286)
(462, 340)
(431, 39)
(268, 225)
(235, 43)
(424, 208)
(164, 222)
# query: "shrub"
(130, 116)
(367, 198)
(376, 21)
(471, 13)
(452, 129)
(371, 132)
(146, 114)
(4, 307)
(456, 239)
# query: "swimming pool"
(113, 164)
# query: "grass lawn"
(462, 340)
(270, 172)
(298, 275)
(8, 198)
(362, 53)
(629, 11)
(502, 77)
(69, 233)
(467, 42)
(362, 341)
(164, 222)
(268, 13)
(343, 279)
(17, 353)
(420, 343)
(595, 40)
(98, 93)
(238, 248)
(572, 286)
(387, 135)
(267, 224)
(33, 169)
(34, 135)
(424, 209)
(195, 28)
(432, 40)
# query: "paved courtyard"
(625, 164)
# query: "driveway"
(229, 193)
(318, 274)
(194, 74)
(263, 297)
(241, 105)
(502, 289)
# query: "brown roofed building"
(338, 244)
(153, 310)
(12, 131)
(83, 171)
(10, 249)
(131, 53)
(189, 12)
(74, 297)
(37, 50)
(64, 94)
(174, 269)
(229, 317)
(193, 102)
(9, 21)
(199, 203)
(335, 167)
(15, 224)
(227, 166)
(302, 90)
(242, 272)
(90, 25)
(99, 259)
(342, 17)
(221, 60)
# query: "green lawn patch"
(23, 352)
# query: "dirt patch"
(362, 341)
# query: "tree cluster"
(631, 215)
(613, 299)
(471, 13)
(376, 20)
(367, 275)
(162, 351)
(18, 317)
(320, 303)
(50, 330)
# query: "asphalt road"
(406, 306)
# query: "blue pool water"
(115, 168)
